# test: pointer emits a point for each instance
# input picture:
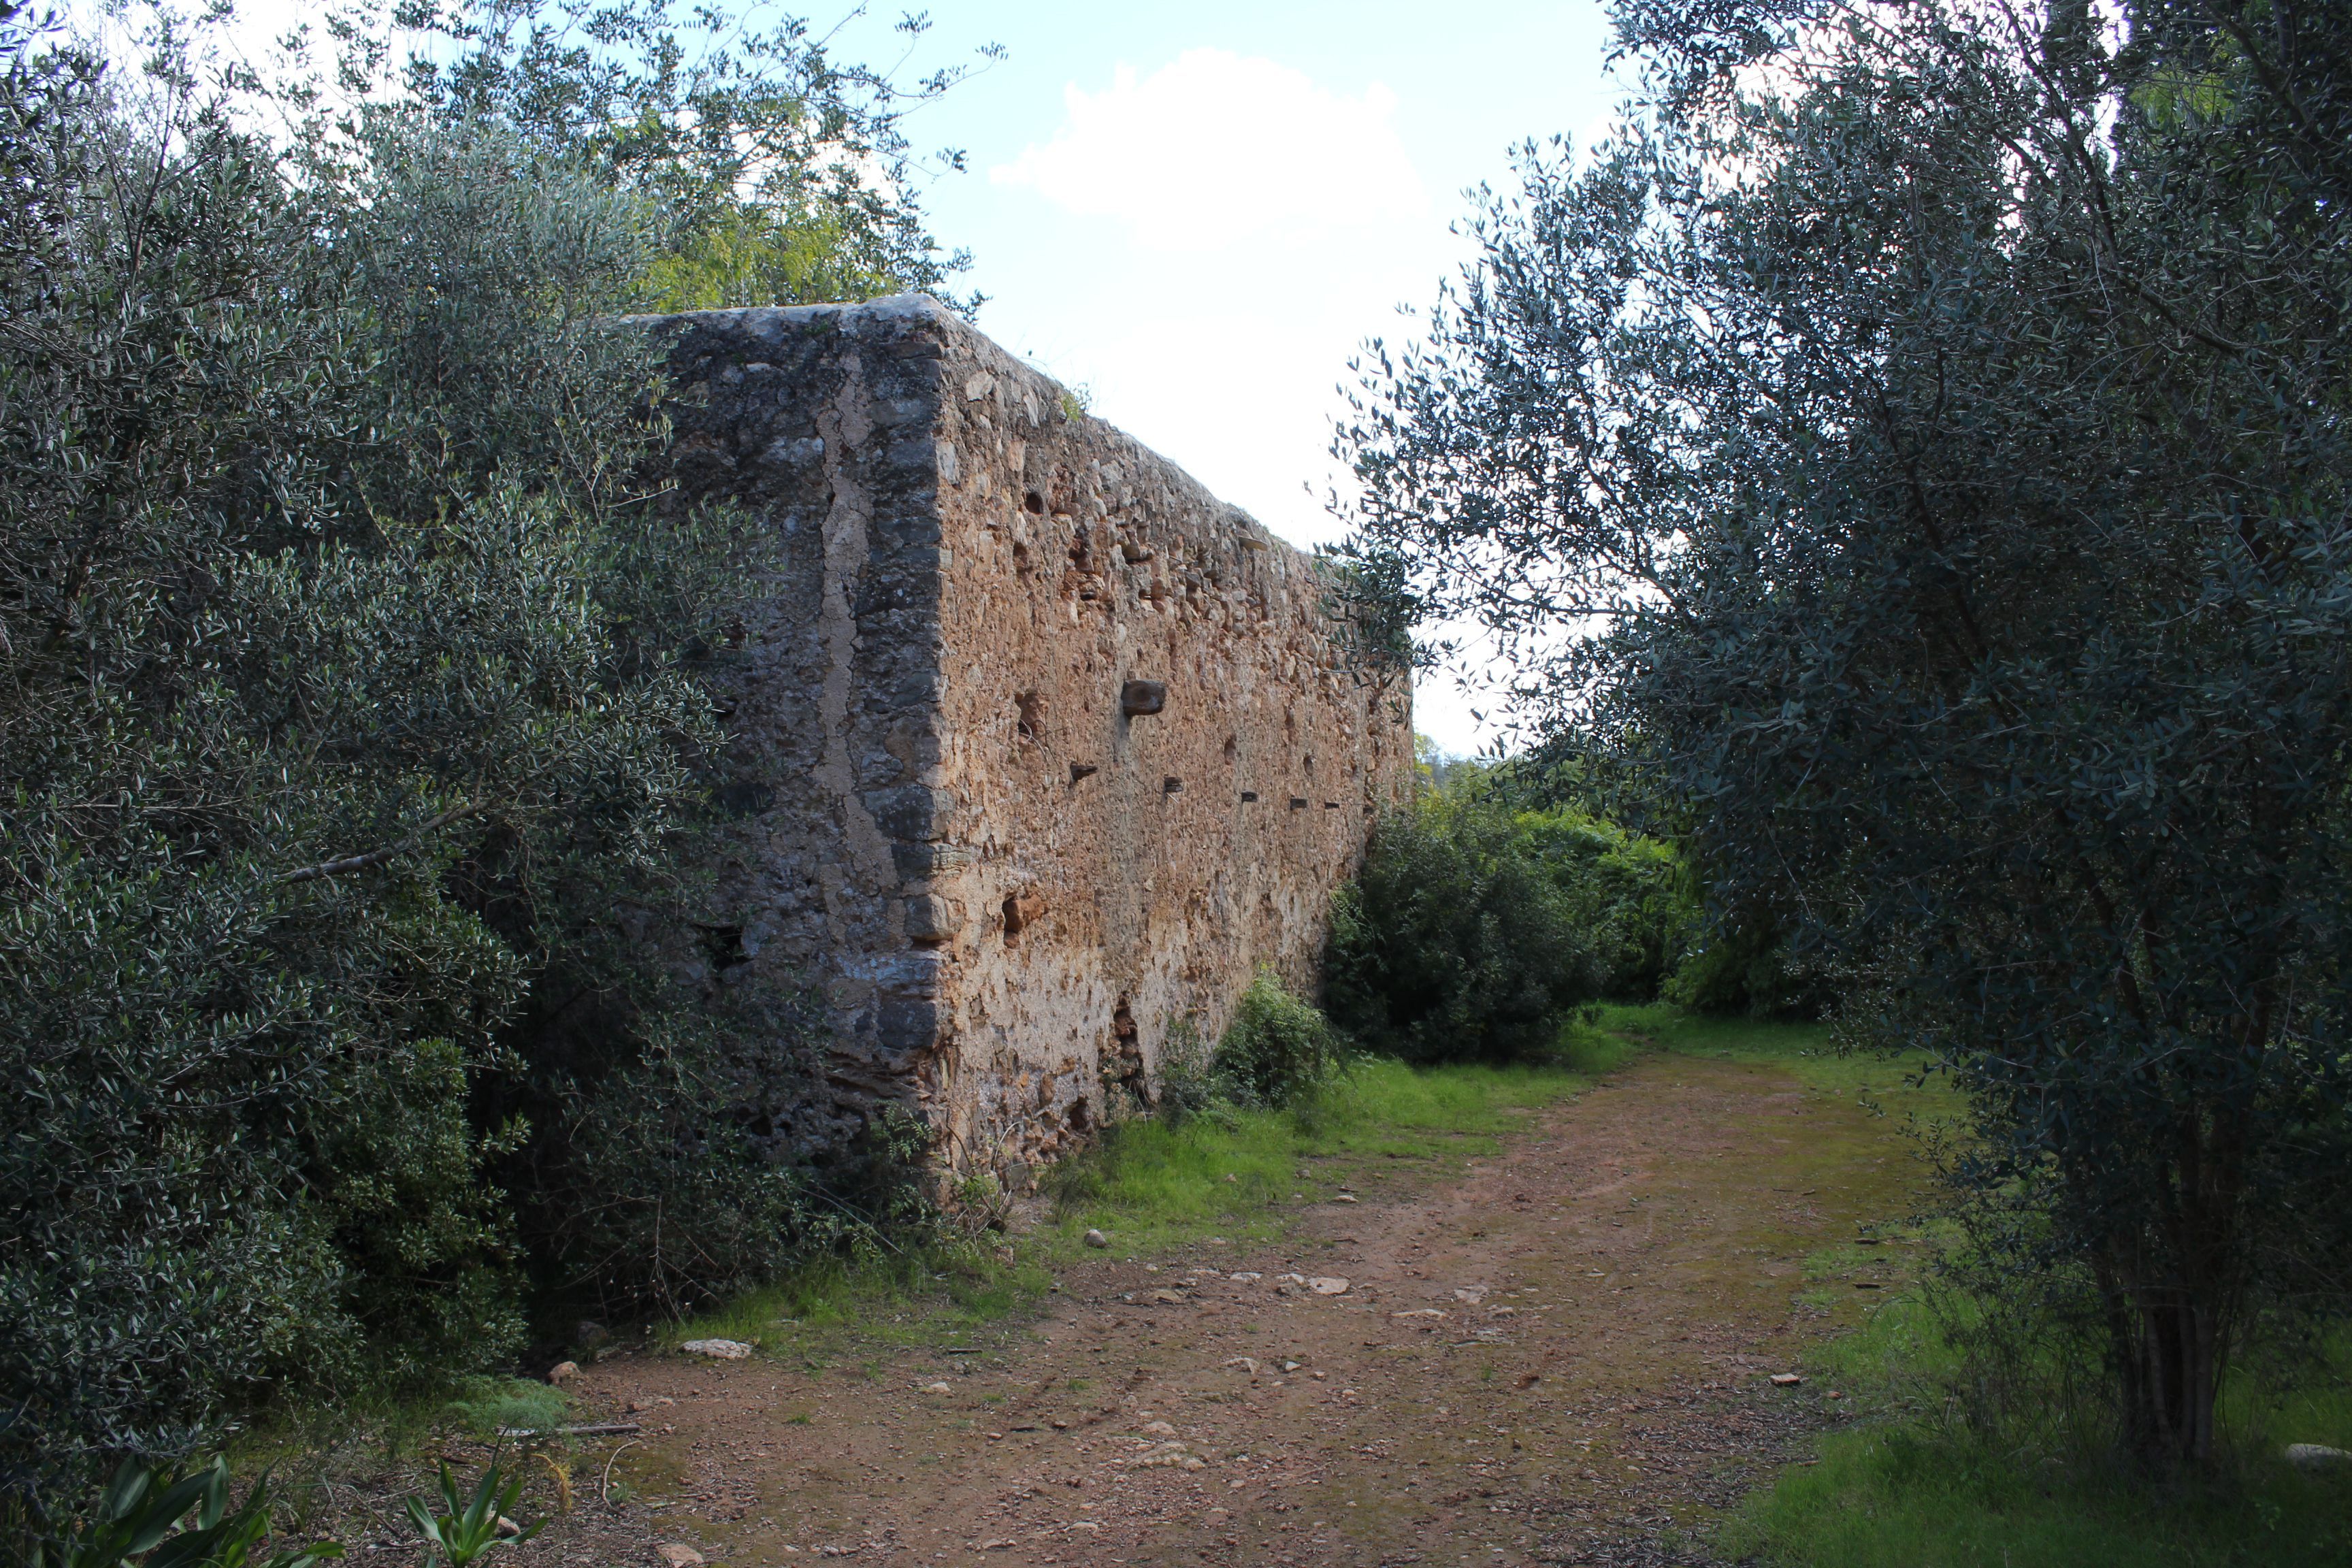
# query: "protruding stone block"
(932, 919)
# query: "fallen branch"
(593, 1430)
(378, 857)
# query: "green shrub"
(470, 1528)
(164, 1521)
(1187, 1076)
(1277, 1050)
(1456, 941)
(349, 653)
(1743, 965)
(1626, 893)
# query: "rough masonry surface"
(1039, 750)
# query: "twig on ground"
(604, 1485)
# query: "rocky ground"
(1560, 1354)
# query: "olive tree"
(349, 716)
(1918, 441)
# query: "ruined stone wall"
(1041, 748)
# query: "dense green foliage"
(1277, 1053)
(347, 640)
(766, 170)
(1943, 412)
(161, 1521)
(1474, 930)
(1743, 962)
(1277, 1050)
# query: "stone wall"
(1040, 749)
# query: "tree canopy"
(1916, 445)
(351, 653)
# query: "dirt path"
(1558, 1354)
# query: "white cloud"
(1217, 149)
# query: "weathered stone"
(930, 918)
(2317, 1456)
(718, 1349)
(1009, 688)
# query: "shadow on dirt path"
(1560, 1354)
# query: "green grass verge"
(909, 1291)
(1238, 1175)
(1908, 1484)
(1154, 1187)
(1911, 1484)
(1807, 1051)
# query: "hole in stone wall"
(1297, 802)
(1232, 748)
(1129, 1051)
(1031, 726)
(1172, 784)
(1021, 910)
(1248, 796)
(1034, 503)
(746, 798)
(725, 946)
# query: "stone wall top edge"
(894, 308)
(964, 341)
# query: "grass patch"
(921, 1292)
(1911, 1483)
(1808, 1052)
(1152, 1185)
(1728, 1037)
(485, 1407)
(1239, 1175)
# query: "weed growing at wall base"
(1152, 1184)
(1239, 1175)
